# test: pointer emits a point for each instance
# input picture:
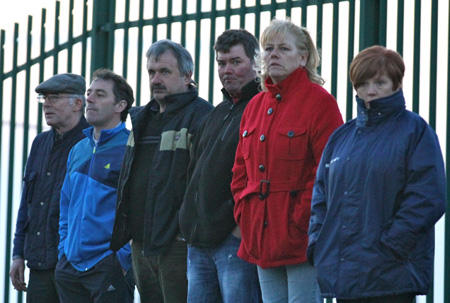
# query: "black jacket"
(167, 180)
(36, 238)
(206, 216)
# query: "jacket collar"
(105, 134)
(82, 124)
(380, 109)
(293, 81)
(248, 91)
(175, 101)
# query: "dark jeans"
(161, 278)
(104, 283)
(42, 286)
(403, 298)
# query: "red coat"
(283, 133)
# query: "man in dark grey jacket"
(152, 180)
(215, 273)
(36, 238)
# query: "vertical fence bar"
(289, 8)
(12, 143)
(183, 22)
(416, 60)
(139, 52)
(212, 54)
(84, 40)
(169, 19)
(400, 25)
(227, 14)
(198, 23)
(102, 50)
(2, 78)
(304, 8)
(70, 40)
(26, 118)
(369, 23)
(351, 47)
(273, 9)
(41, 66)
(257, 19)
(334, 48)
(433, 63)
(383, 23)
(110, 27)
(242, 12)
(319, 31)
(447, 158)
(56, 38)
(155, 21)
(126, 39)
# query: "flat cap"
(63, 83)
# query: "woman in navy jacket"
(380, 189)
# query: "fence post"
(102, 51)
(369, 23)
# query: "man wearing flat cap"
(36, 238)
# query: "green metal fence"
(85, 35)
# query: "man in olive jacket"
(152, 181)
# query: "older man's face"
(58, 110)
(165, 78)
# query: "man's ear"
(120, 106)
(77, 104)
(187, 78)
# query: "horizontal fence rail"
(81, 36)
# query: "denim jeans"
(42, 286)
(161, 278)
(218, 275)
(289, 284)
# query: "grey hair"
(184, 58)
(72, 99)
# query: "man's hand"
(17, 274)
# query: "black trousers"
(402, 298)
(42, 286)
(104, 283)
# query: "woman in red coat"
(283, 132)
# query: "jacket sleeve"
(318, 210)
(64, 211)
(422, 201)
(22, 216)
(326, 118)
(239, 180)
(124, 256)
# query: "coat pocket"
(292, 143)
(248, 133)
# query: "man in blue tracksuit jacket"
(87, 270)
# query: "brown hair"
(303, 42)
(376, 60)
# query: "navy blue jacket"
(36, 238)
(380, 189)
(167, 181)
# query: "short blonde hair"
(303, 42)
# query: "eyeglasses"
(53, 98)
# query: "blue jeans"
(289, 284)
(218, 275)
